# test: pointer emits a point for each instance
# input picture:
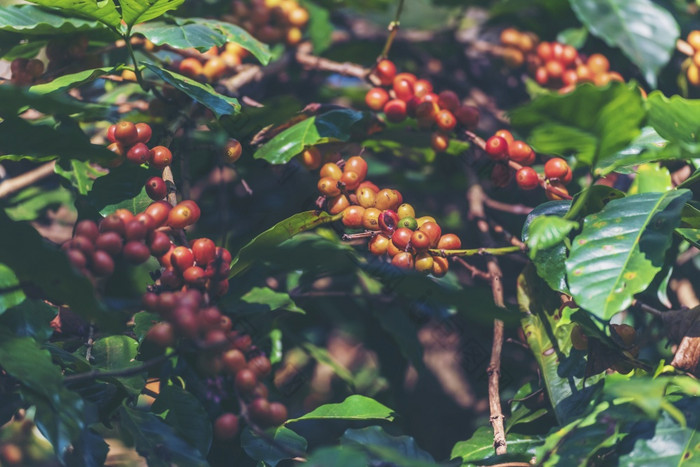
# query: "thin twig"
(517, 209)
(311, 62)
(476, 272)
(393, 30)
(11, 185)
(134, 370)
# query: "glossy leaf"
(649, 146)
(72, 80)
(398, 450)
(33, 202)
(334, 125)
(143, 321)
(546, 232)
(203, 93)
(676, 119)
(122, 187)
(651, 178)
(31, 318)
(591, 122)
(186, 415)
(11, 293)
(620, 250)
(261, 449)
(31, 20)
(479, 448)
(271, 300)
(119, 352)
(140, 11)
(644, 31)
(275, 235)
(104, 11)
(202, 34)
(347, 456)
(354, 407)
(320, 28)
(549, 262)
(81, 175)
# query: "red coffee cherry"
(259, 410)
(260, 365)
(403, 89)
(386, 71)
(388, 221)
(376, 98)
(110, 242)
(277, 414)
(171, 279)
(527, 178)
(185, 321)
(402, 237)
(351, 180)
(125, 215)
(439, 141)
(246, 381)
(449, 242)
(445, 120)
(162, 334)
(87, 229)
(556, 167)
(160, 157)
(395, 110)
(156, 189)
(182, 258)
(76, 258)
(448, 100)
(506, 135)
(497, 148)
(433, 230)
(110, 134)
(112, 223)
(135, 230)
(541, 76)
(379, 244)
(143, 132)
(467, 115)
(194, 275)
(126, 133)
(440, 266)
(422, 88)
(403, 260)
(420, 240)
(158, 211)
(159, 243)
(139, 154)
(233, 361)
(232, 151)
(181, 216)
(136, 252)
(521, 152)
(204, 251)
(102, 264)
(358, 165)
(226, 426)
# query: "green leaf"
(271, 300)
(202, 34)
(332, 126)
(31, 318)
(345, 456)
(103, 11)
(11, 293)
(321, 355)
(14, 100)
(592, 122)
(479, 448)
(122, 187)
(156, 440)
(546, 232)
(575, 37)
(33, 202)
(649, 146)
(140, 11)
(72, 80)
(651, 178)
(692, 236)
(549, 262)
(186, 415)
(80, 174)
(56, 277)
(275, 235)
(143, 321)
(119, 353)
(644, 31)
(676, 119)
(320, 28)
(621, 249)
(397, 450)
(355, 407)
(203, 93)
(261, 449)
(31, 20)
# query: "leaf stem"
(393, 30)
(137, 71)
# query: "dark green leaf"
(80, 174)
(644, 31)
(33, 202)
(122, 187)
(621, 249)
(140, 11)
(549, 262)
(203, 93)
(346, 456)
(479, 448)
(271, 300)
(156, 440)
(592, 122)
(11, 293)
(261, 449)
(320, 28)
(186, 415)
(32, 20)
(275, 235)
(546, 232)
(398, 450)
(676, 119)
(649, 146)
(651, 178)
(334, 125)
(355, 407)
(72, 80)
(119, 353)
(31, 318)
(14, 100)
(103, 11)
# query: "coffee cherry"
(233, 361)
(433, 230)
(366, 197)
(143, 132)
(527, 178)
(403, 89)
(158, 211)
(521, 152)
(449, 242)
(226, 426)
(385, 71)
(245, 381)
(468, 116)
(583, 74)
(110, 134)
(439, 141)
(352, 216)
(126, 133)
(170, 278)
(410, 77)
(156, 189)
(351, 180)
(112, 223)
(194, 208)
(379, 244)
(311, 158)
(402, 237)
(560, 189)
(162, 334)
(185, 321)
(387, 199)
(445, 120)
(110, 242)
(424, 262)
(159, 243)
(194, 275)
(694, 39)
(424, 219)
(125, 215)
(405, 210)
(259, 410)
(554, 69)
(182, 258)
(328, 186)
(181, 216)
(376, 99)
(497, 148)
(160, 157)
(232, 151)
(260, 365)
(440, 266)
(448, 100)
(203, 250)
(422, 88)
(358, 165)
(598, 64)
(568, 55)
(370, 218)
(403, 260)
(408, 222)
(337, 204)
(191, 67)
(420, 240)
(139, 154)
(388, 221)
(392, 250)
(541, 76)
(135, 230)
(277, 414)
(77, 258)
(569, 78)
(136, 252)
(102, 264)
(556, 167)
(87, 229)
(331, 170)
(395, 110)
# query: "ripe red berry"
(194, 275)
(277, 413)
(433, 230)
(260, 365)
(156, 189)
(135, 230)
(110, 242)
(386, 71)
(402, 237)
(358, 165)
(204, 251)
(158, 211)
(376, 98)
(497, 148)
(126, 133)
(185, 321)
(448, 100)
(468, 116)
(379, 244)
(77, 258)
(87, 229)
(259, 410)
(506, 135)
(112, 223)
(395, 110)
(556, 167)
(102, 263)
(226, 426)
(136, 252)
(234, 361)
(232, 151)
(449, 242)
(182, 258)
(143, 132)
(403, 260)
(521, 152)
(403, 88)
(160, 157)
(420, 240)
(162, 334)
(181, 216)
(246, 381)
(125, 215)
(170, 279)
(139, 154)
(351, 180)
(422, 88)
(439, 141)
(527, 178)
(445, 120)
(159, 243)
(110, 134)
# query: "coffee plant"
(370, 233)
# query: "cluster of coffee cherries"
(693, 70)
(398, 233)
(624, 334)
(212, 64)
(556, 65)
(403, 95)
(502, 147)
(95, 247)
(128, 141)
(25, 71)
(271, 21)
